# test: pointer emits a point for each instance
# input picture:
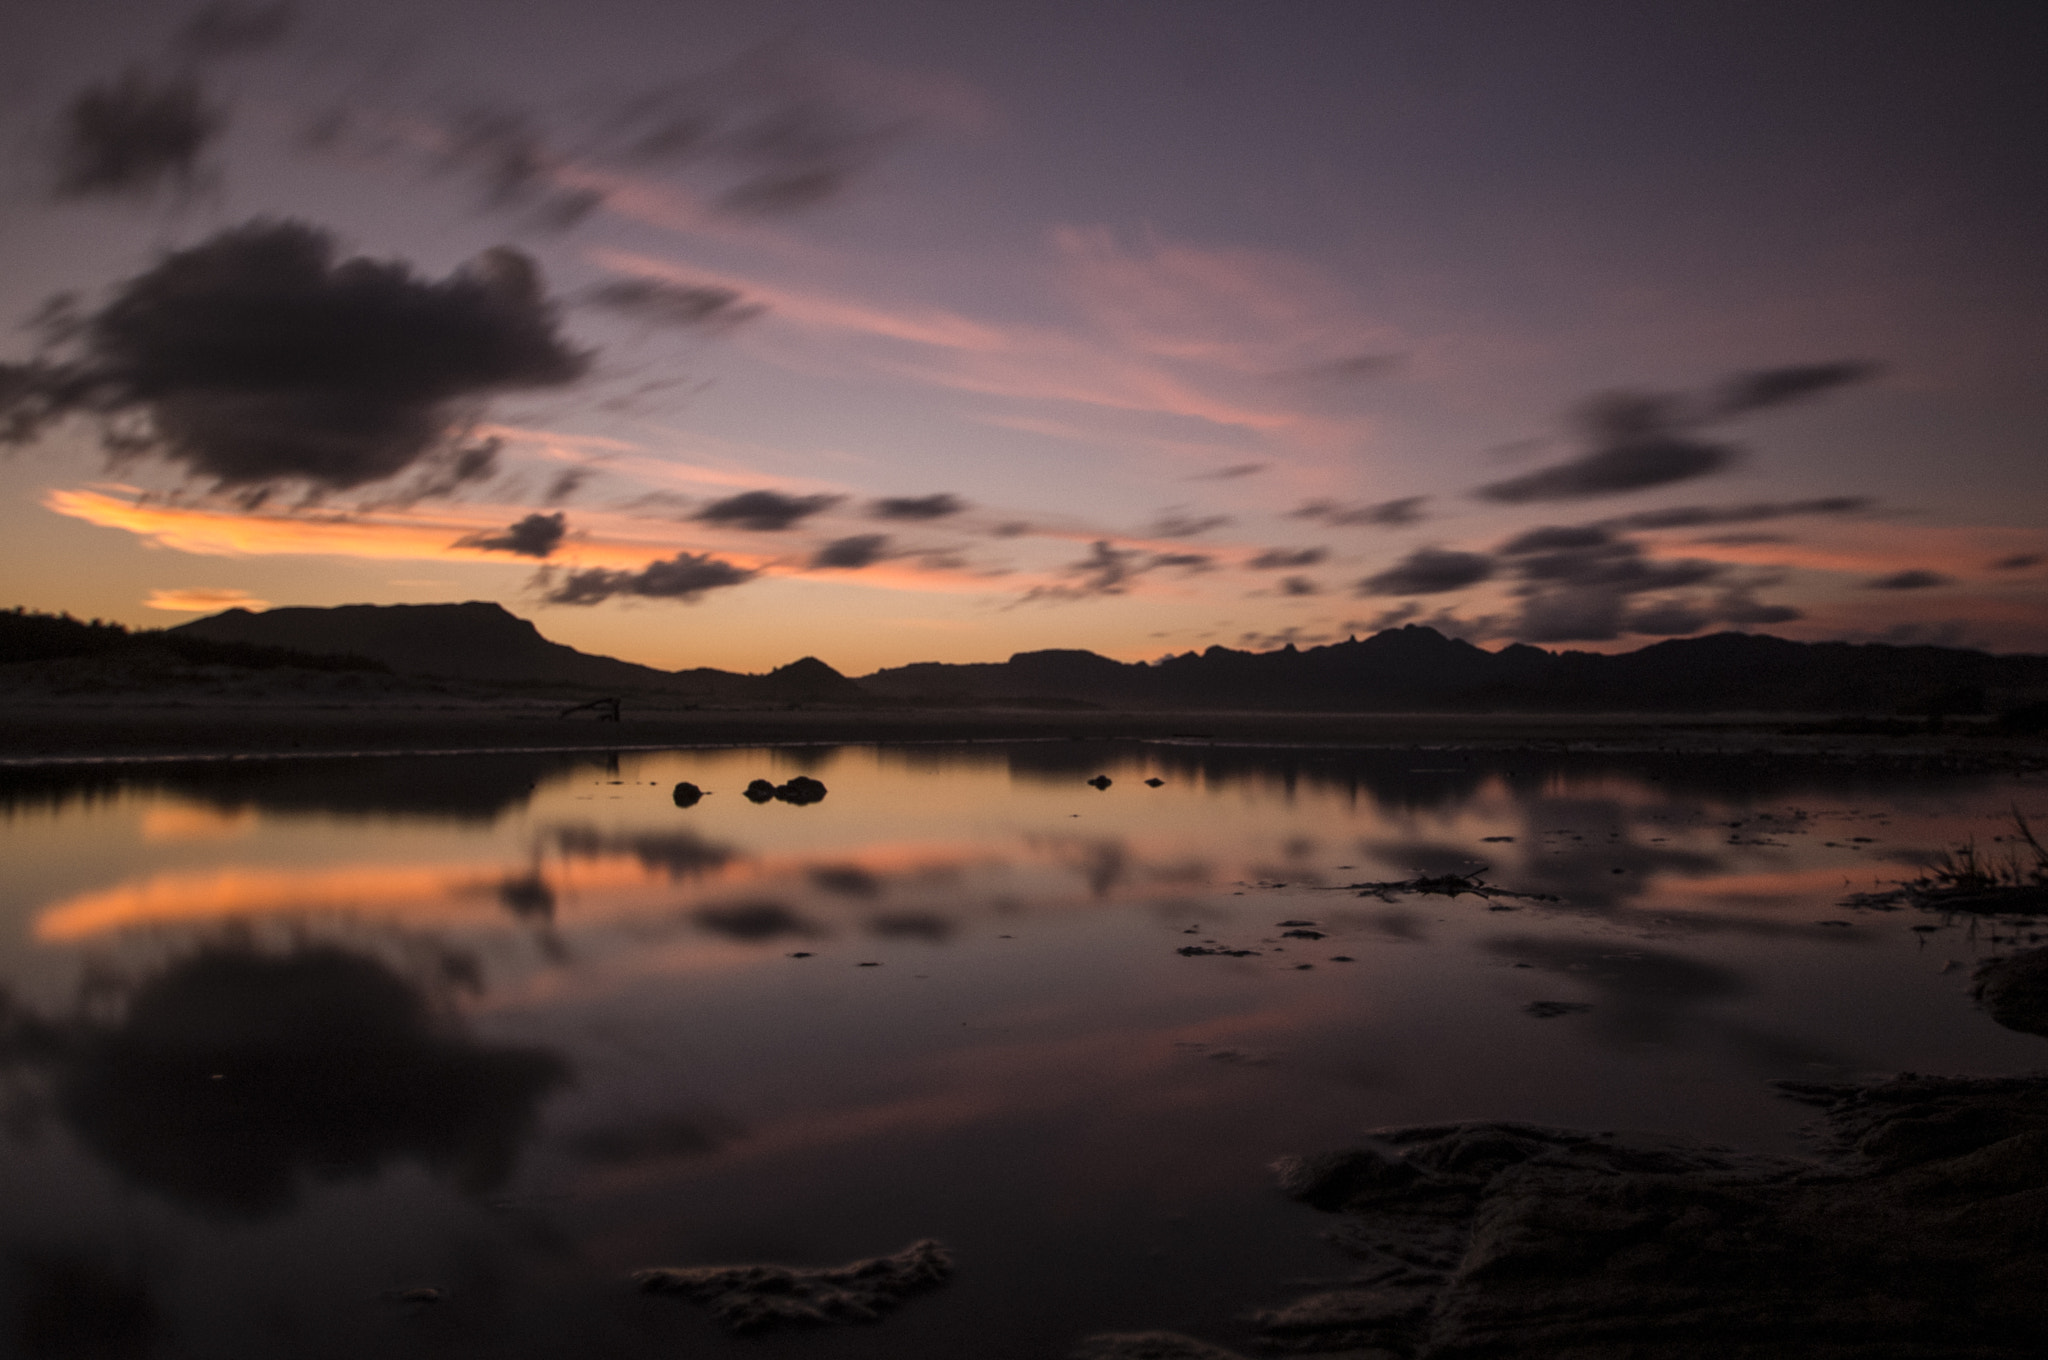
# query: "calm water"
(288, 1038)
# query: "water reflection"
(235, 1075)
(754, 922)
(74, 1307)
(1032, 1071)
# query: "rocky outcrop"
(1917, 1232)
(751, 1298)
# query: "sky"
(720, 334)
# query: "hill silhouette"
(1411, 669)
(1417, 669)
(482, 641)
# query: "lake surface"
(286, 1039)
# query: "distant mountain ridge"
(483, 641)
(1411, 669)
(1417, 669)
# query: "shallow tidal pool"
(288, 1044)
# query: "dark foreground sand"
(192, 723)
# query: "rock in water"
(1101, 781)
(1916, 1233)
(749, 1298)
(688, 794)
(2015, 990)
(760, 791)
(801, 790)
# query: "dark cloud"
(2019, 562)
(1738, 605)
(1614, 563)
(765, 511)
(1299, 585)
(1428, 571)
(1231, 473)
(935, 506)
(685, 306)
(1697, 516)
(769, 134)
(851, 554)
(1183, 562)
(135, 135)
(1766, 387)
(1104, 571)
(1014, 528)
(753, 922)
(1582, 583)
(1557, 537)
(258, 359)
(1637, 440)
(1176, 525)
(230, 30)
(1353, 369)
(1283, 559)
(1916, 579)
(567, 483)
(534, 536)
(687, 576)
(1384, 514)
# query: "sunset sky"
(724, 333)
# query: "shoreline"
(51, 732)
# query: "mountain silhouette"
(1411, 669)
(1417, 669)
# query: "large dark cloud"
(534, 536)
(853, 553)
(261, 359)
(1916, 579)
(1383, 514)
(683, 306)
(1429, 571)
(1637, 440)
(134, 135)
(1588, 583)
(766, 511)
(1284, 559)
(936, 506)
(686, 576)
